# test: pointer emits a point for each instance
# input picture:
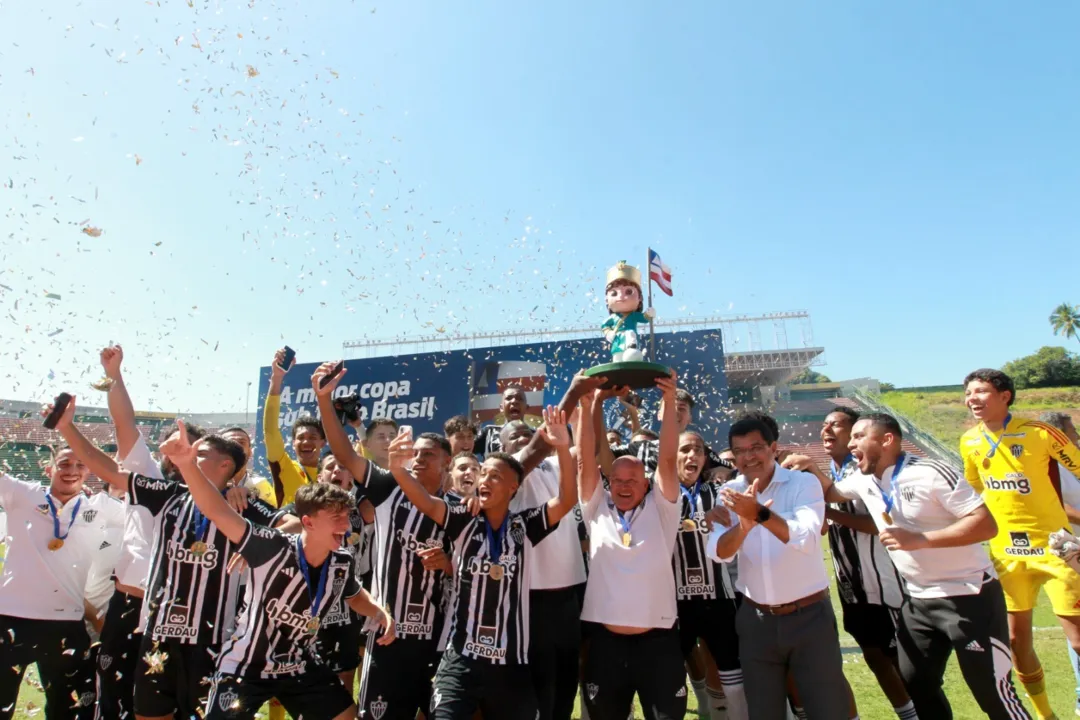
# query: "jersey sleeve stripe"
(1055, 434)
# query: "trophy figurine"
(622, 330)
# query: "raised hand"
(178, 448)
(111, 358)
(554, 430)
(323, 371)
(401, 452)
(276, 371)
(66, 419)
(667, 386)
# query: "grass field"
(942, 412)
(1049, 643)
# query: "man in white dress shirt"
(786, 622)
(630, 593)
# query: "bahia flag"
(659, 272)
(490, 380)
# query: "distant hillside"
(941, 412)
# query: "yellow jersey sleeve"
(272, 438)
(1019, 483)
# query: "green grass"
(942, 412)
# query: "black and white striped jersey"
(275, 636)
(413, 594)
(491, 599)
(865, 573)
(188, 589)
(648, 452)
(696, 575)
(488, 440)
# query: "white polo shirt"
(927, 495)
(772, 572)
(556, 560)
(42, 584)
(133, 562)
(99, 583)
(631, 586)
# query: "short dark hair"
(308, 421)
(459, 423)
(313, 497)
(695, 433)
(763, 417)
(885, 422)
(437, 438)
(647, 433)
(753, 422)
(518, 387)
(324, 458)
(998, 379)
(194, 432)
(227, 447)
(509, 460)
(463, 454)
(234, 428)
(388, 422)
(852, 415)
(682, 395)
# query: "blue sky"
(906, 172)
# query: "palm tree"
(1066, 320)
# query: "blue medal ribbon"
(994, 443)
(691, 496)
(624, 522)
(202, 523)
(317, 597)
(56, 517)
(887, 497)
(838, 472)
(495, 540)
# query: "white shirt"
(1070, 492)
(42, 584)
(927, 495)
(631, 586)
(772, 572)
(99, 583)
(556, 560)
(133, 562)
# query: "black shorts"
(318, 693)
(179, 684)
(339, 645)
(117, 656)
(464, 685)
(396, 680)
(61, 650)
(649, 665)
(713, 621)
(872, 626)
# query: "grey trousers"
(804, 643)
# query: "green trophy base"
(629, 374)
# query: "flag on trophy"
(659, 272)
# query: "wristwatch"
(763, 514)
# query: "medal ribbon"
(838, 472)
(625, 523)
(994, 443)
(691, 497)
(888, 496)
(56, 518)
(202, 523)
(317, 598)
(495, 540)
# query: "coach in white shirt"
(786, 623)
(630, 594)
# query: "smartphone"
(334, 372)
(59, 406)
(405, 430)
(287, 361)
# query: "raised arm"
(207, 498)
(603, 450)
(538, 448)
(667, 478)
(91, 455)
(121, 408)
(336, 436)
(272, 437)
(588, 474)
(401, 451)
(829, 488)
(557, 435)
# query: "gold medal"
(55, 544)
(198, 548)
(689, 525)
(496, 572)
(104, 384)
(886, 517)
(626, 539)
(354, 538)
(313, 625)
(986, 463)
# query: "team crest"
(86, 700)
(228, 700)
(908, 493)
(378, 708)
(43, 508)
(104, 661)
(592, 689)
(89, 515)
(1017, 451)
(517, 532)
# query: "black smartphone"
(333, 373)
(59, 406)
(287, 361)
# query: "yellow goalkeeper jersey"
(1020, 482)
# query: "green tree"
(1066, 320)
(1049, 367)
(808, 377)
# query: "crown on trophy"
(622, 271)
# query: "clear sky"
(310, 172)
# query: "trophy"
(622, 329)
